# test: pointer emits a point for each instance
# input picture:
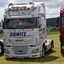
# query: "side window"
(41, 22)
(62, 21)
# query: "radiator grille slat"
(20, 50)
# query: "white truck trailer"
(24, 29)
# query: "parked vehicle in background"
(60, 23)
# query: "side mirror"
(57, 22)
(1, 22)
(40, 25)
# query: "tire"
(1, 48)
(52, 45)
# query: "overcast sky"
(52, 6)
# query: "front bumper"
(29, 54)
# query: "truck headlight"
(10, 40)
(35, 51)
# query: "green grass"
(54, 57)
(53, 33)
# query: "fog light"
(35, 51)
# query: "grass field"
(54, 57)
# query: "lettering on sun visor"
(18, 34)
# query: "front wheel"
(1, 48)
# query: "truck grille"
(20, 50)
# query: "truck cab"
(24, 28)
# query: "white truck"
(24, 29)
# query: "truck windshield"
(23, 23)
